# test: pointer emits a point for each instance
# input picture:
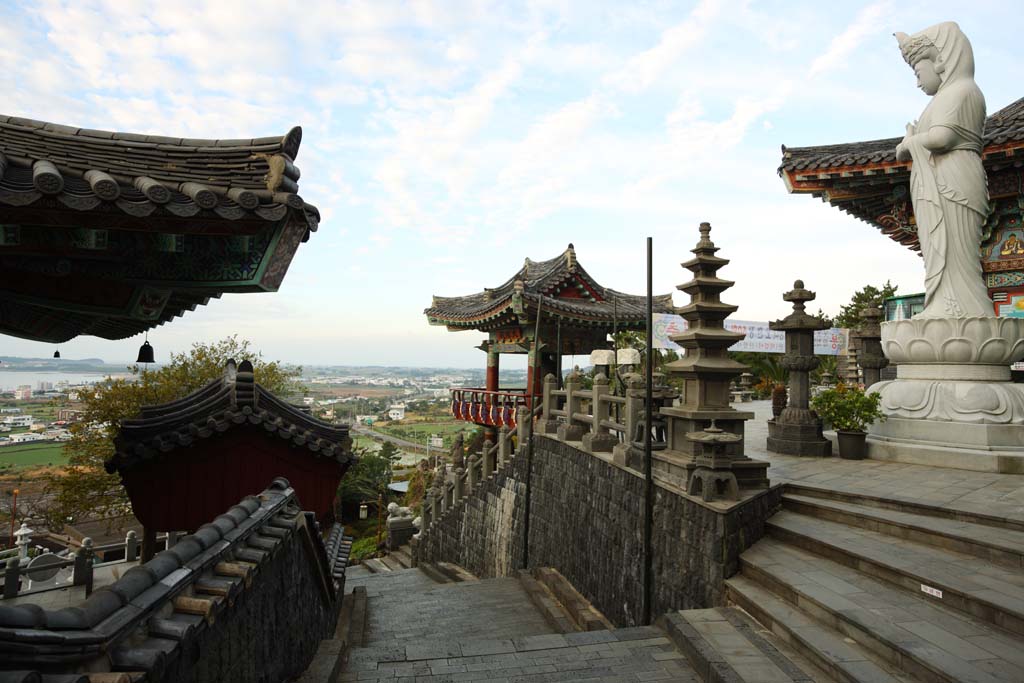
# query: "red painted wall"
(189, 486)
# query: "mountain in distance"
(15, 363)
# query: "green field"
(419, 432)
(32, 455)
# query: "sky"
(444, 142)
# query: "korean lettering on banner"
(666, 325)
(759, 337)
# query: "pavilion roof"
(865, 180)
(560, 285)
(112, 234)
(228, 401)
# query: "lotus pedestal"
(952, 403)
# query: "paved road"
(379, 436)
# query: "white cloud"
(868, 23)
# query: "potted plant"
(849, 409)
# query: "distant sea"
(12, 379)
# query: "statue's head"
(939, 54)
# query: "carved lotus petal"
(957, 350)
(994, 350)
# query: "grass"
(419, 432)
(31, 455)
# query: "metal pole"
(558, 350)
(648, 477)
(529, 438)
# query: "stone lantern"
(797, 430)
(22, 539)
(871, 359)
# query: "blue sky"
(446, 141)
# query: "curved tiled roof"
(865, 180)
(149, 174)
(1005, 127)
(224, 403)
(541, 281)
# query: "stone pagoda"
(707, 372)
(797, 430)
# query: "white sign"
(758, 337)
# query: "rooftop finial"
(705, 235)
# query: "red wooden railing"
(490, 408)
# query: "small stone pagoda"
(797, 430)
(707, 372)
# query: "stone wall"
(483, 533)
(586, 520)
(270, 633)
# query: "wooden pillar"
(493, 384)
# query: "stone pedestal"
(797, 429)
(952, 403)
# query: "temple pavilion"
(865, 180)
(111, 234)
(576, 316)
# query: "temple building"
(865, 180)
(576, 316)
(111, 234)
(217, 444)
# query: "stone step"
(991, 593)
(722, 649)
(895, 502)
(839, 657)
(376, 566)
(403, 556)
(636, 654)
(1000, 546)
(392, 563)
(925, 639)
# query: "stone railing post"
(131, 546)
(474, 471)
(426, 516)
(11, 578)
(504, 446)
(570, 430)
(488, 458)
(82, 572)
(631, 417)
(548, 422)
(522, 417)
(435, 507)
(460, 478)
(599, 439)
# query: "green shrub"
(848, 408)
(363, 548)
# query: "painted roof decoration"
(561, 283)
(138, 623)
(865, 180)
(224, 403)
(112, 234)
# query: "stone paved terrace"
(981, 493)
(422, 631)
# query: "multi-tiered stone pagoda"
(707, 371)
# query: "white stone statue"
(947, 181)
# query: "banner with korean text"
(831, 342)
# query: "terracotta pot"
(852, 445)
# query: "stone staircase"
(873, 589)
(422, 626)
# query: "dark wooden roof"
(232, 400)
(567, 291)
(112, 234)
(146, 174)
(865, 180)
